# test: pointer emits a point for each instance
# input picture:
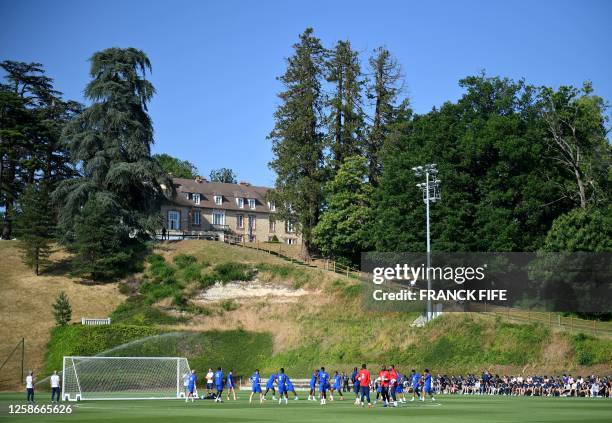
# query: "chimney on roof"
(245, 183)
(200, 179)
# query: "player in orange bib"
(364, 379)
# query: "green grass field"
(455, 409)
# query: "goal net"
(101, 378)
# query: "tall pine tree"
(111, 141)
(346, 119)
(35, 222)
(297, 140)
(382, 92)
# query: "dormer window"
(251, 203)
(187, 195)
(196, 198)
(240, 202)
(271, 206)
(218, 200)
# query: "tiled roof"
(228, 192)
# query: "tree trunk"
(36, 259)
(9, 198)
(338, 135)
(581, 188)
(7, 227)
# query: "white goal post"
(116, 378)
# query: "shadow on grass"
(62, 267)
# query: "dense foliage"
(32, 115)
(120, 183)
(512, 157)
(500, 191)
(223, 175)
(588, 229)
(176, 168)
(342, 231)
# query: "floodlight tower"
(431, 194)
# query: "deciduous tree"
(223, 175)
(345, 226)
(576, 121)
(177, 168)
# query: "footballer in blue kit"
(415, 380)
(427, 386)
(256, 386)
(281, 381)
(291, 388)
(323, 385)
(337, 386)
(230, 385)
(191, 386)
(355, 381)
(270, 386)
(399, 389)
(218, 378)
(313, 384)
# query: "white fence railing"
(93, 321)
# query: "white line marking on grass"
(435, 404)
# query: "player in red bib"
(385, 379)
(364, 379)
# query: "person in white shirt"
(30, 386)
(186, 383)
(55, 387)
(209, 381)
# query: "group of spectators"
(544, 386)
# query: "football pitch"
(456, 409)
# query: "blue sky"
(215, 63)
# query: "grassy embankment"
(325, 326)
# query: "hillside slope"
(26, 306)
(282, 315)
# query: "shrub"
(298, 276)
(352, 291)
(232, 271)
(229, 305)
(192, 273)
(161, 271)
(590, 350)
(209, 279)
(180, 300)
(136, 311)
(184, 260)
(155, 258)
(197, 309)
